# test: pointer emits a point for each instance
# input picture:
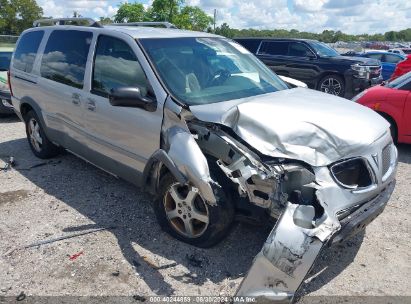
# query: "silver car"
(210, 131)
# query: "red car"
(392, 100)
(402, 68)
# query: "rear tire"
(332, 84)
(41, 146)
(210, 224)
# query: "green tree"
(130, 12)
(18, 15)
(164, 10)
(105, 20)
(193, 18)
(391, 36)
(225, 30)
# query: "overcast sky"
(349, 16)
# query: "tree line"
(18, 15)
(328, 36)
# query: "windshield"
(207, 70)
(323, 50)
(403, 79)
(5, 58)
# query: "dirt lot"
(134, 257)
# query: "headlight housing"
(361, 70)
(353, 173)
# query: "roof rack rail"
(152, 24)
(67, 21)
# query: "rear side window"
(375, 56)
(392, 58)
(26, 51)
(250, 44)
(65, 57)
(274, 48)
(115, 66)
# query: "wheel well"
(329, 74)
(392, 122)
(25, 108)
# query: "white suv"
(210, 131)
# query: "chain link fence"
(8, 40)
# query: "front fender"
(190, 161)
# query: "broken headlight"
(352, 173)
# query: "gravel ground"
(134, 257)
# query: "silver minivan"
(211, 132)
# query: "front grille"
(386, 159)
(374, 71)
(352, 173)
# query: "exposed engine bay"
(310, 203)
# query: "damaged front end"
(318, 202)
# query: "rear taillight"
(9, 82)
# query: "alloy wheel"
(34, 134)
(331, 86)
(186, 211)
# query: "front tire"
(41, 146)
(182, 212)
(332, 84)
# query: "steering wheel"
(220, 77)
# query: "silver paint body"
(297, 124)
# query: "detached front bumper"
(291, 250)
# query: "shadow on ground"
(9, 119)
(109, 202)
(404, 153)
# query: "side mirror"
(131, 97)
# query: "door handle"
(75, 98)
(91, 104)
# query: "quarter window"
(115, 66)
(26, 51)
(65, 57)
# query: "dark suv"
(315, 63)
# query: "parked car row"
(393, 64)
(315, 63)
(401, 51)
(388, 61)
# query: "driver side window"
(116, 65)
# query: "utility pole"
(215, 17)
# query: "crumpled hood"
(302, 124)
